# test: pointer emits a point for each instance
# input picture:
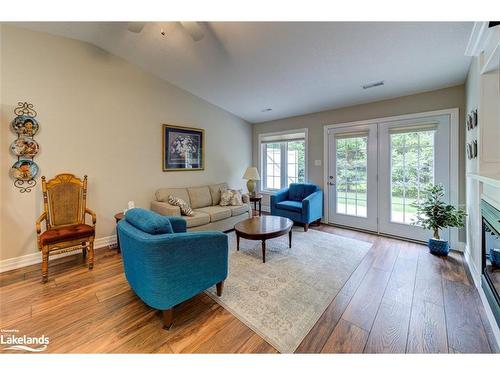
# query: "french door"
(378, 171)
(352, 177)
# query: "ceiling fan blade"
(194, 29)
(136, 27)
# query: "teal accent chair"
(301, 203)
(164, 265)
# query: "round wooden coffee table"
(262, 228)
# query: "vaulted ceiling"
(292, 68)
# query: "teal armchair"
(164, 265)
(301, 203)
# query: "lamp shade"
(251, 174)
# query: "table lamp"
(252, 175)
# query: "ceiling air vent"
(375, 84)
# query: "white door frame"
(454, 155)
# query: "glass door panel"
(412, 155)
(352, 176)
(412, 170)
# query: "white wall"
(472, 166)
(101, 116)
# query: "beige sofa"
(204, 200)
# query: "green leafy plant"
(433, 213)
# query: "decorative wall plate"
(25, 125)
(25, 147)
(24, 170)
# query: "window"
(412, 169)
(283, 160)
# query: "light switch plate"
(317, 163)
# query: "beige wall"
(101, 116)
(453, 97)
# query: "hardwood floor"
(400, 299)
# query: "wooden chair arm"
(91, 213)
(39, 223)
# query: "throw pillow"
(231, 197)
(236, 199)
(225, 197)
(185, 209)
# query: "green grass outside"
(397, 202)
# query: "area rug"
(282, 299)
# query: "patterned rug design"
(282, 299)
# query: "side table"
(257, 198)
(118, 217)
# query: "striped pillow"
(185, 208)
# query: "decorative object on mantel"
(471, 149)
(252, 175)
(25, 148)
(472, 120)
(433, 213)
(183, 148)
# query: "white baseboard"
(29, 259)
(476, 277)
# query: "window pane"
(296, 169)
(273, 165)
(412, 169)
(351, 173)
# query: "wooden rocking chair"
(64, 201)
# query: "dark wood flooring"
(400, 299)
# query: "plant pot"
(438, 247)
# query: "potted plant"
(433, 213)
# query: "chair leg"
(91, 254)
(84, 249)
(306, 227)
(168, 318)
(45, 265)
(318, 222)
(220, 287)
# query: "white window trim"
(260, 161)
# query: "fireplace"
(490, 278)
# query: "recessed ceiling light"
(267, 110)
(374, 84)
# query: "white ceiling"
(293, 68)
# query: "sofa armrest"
(165, 209)
(245, 198)
(178, 224)
(312, 206)
(279, 196)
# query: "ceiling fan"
(192, 28)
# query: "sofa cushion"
(199, 218)
(290, 206)
(199, 196)
(297, 192)
(238, 210)
(162, 194)
(215, 191)
(216, 213)
(66, 233)
(148, 221)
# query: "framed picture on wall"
(183, 148)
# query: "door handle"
(331, 183)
